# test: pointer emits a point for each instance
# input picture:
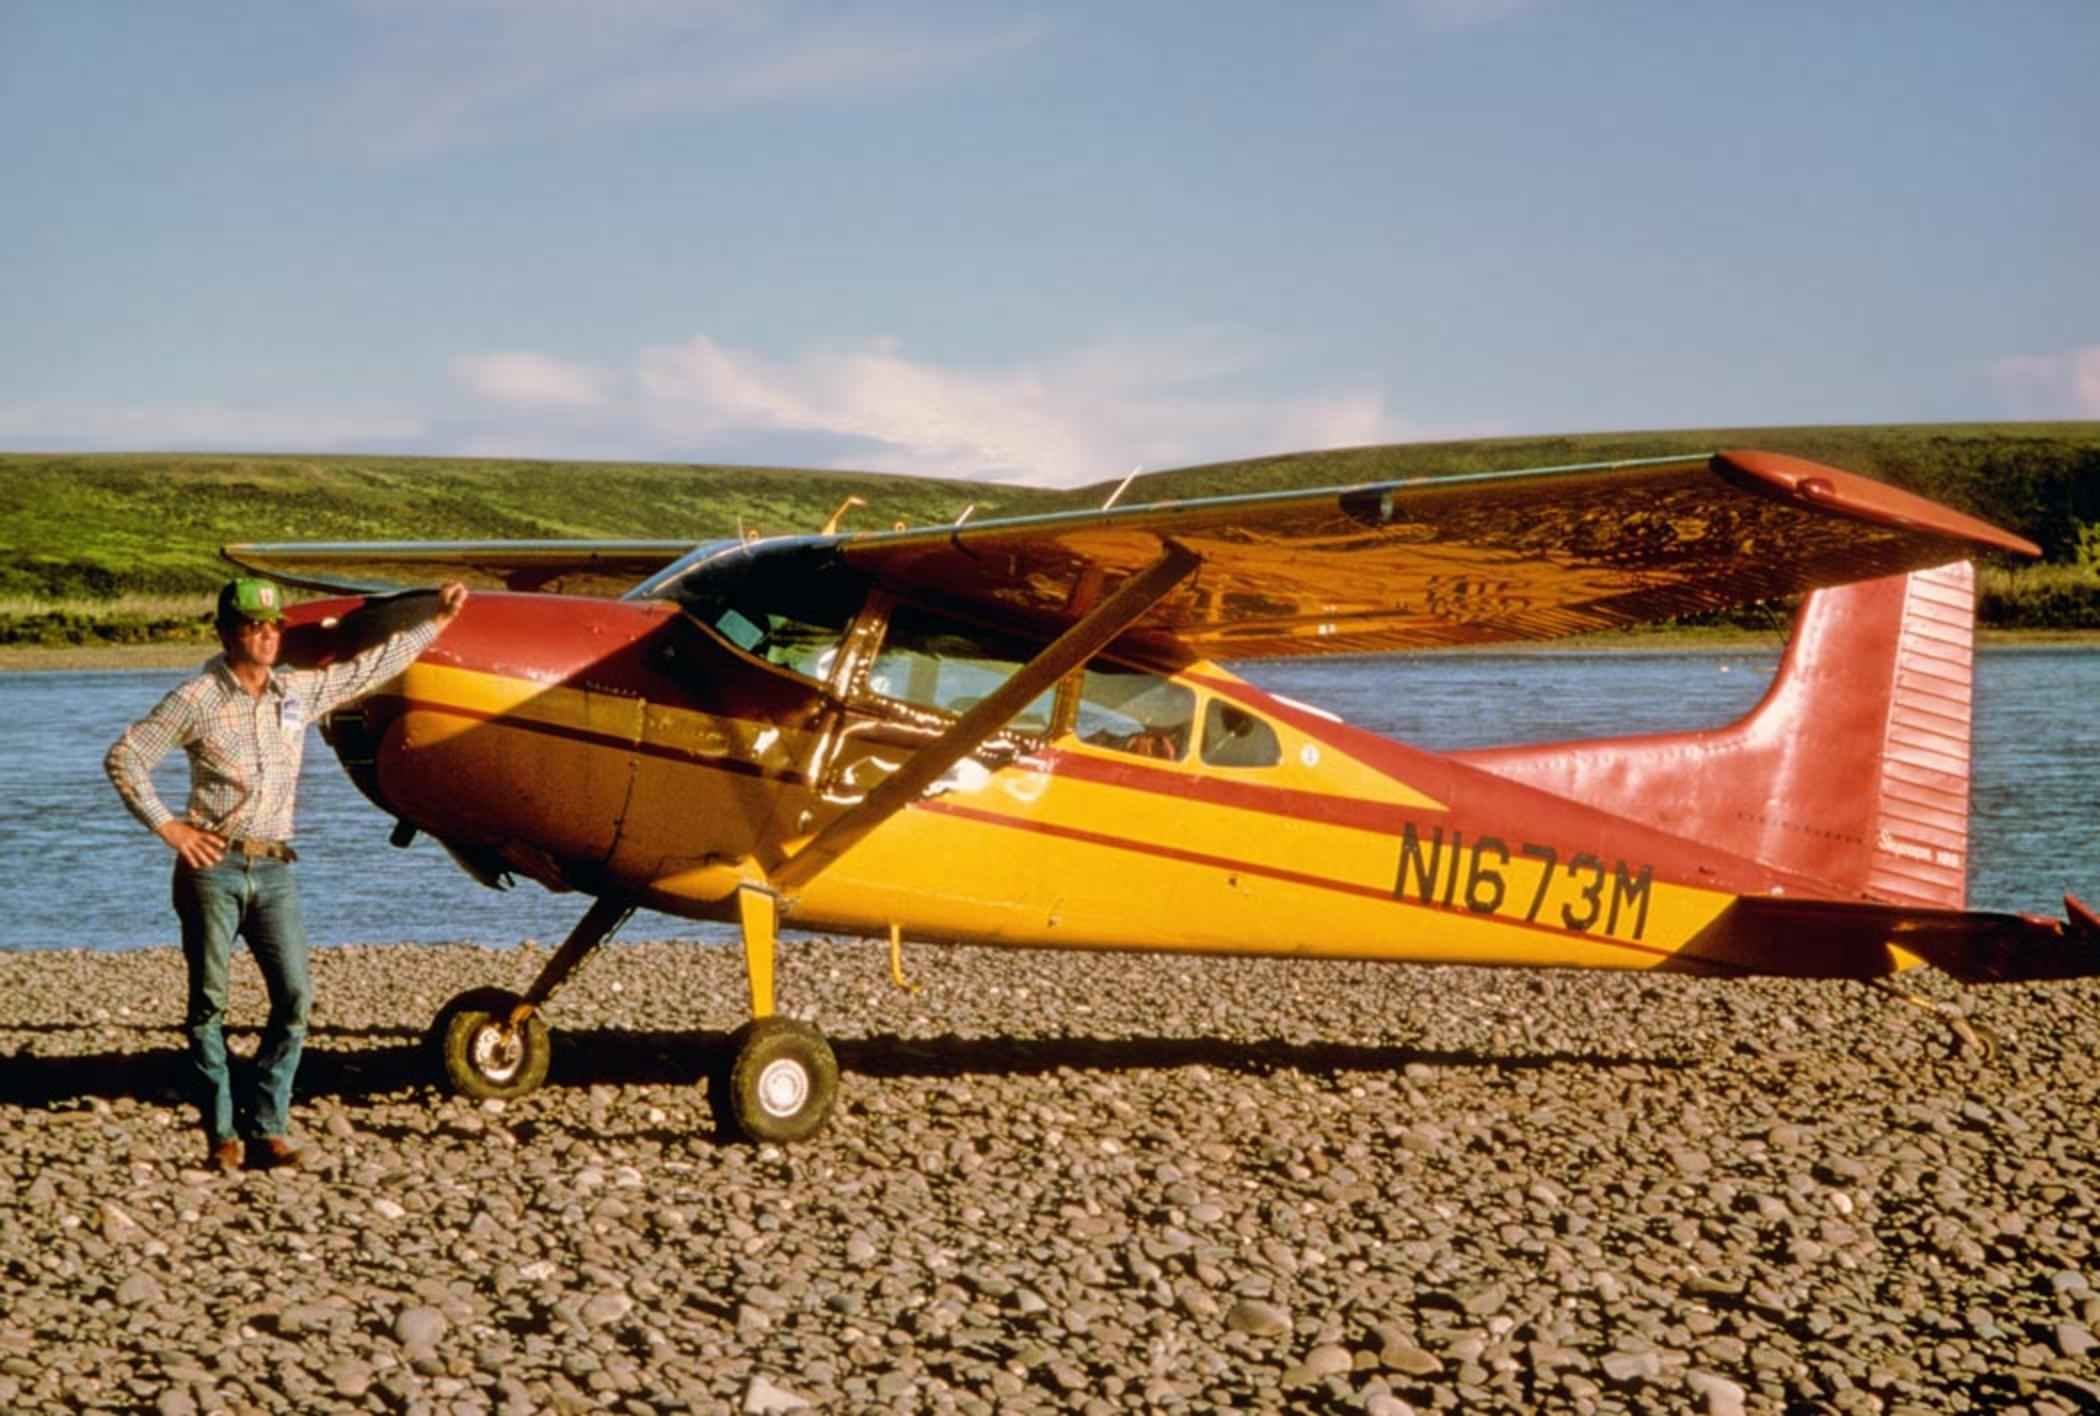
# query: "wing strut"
(1064, 654)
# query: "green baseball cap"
(250, 599)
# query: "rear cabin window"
(1233, 737)
(935, 662)
(1132, 710)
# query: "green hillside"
(107, 524)
(123, 547)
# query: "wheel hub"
(783, 1087)
(498, 1051)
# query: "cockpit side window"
(1233, 737)
(935, 662)
(1135, 711)
(801, 637)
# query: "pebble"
(763, 1397)
(1067, 1181)
(139, 1288)
(419, 1327)
(1722, 1396)
(603, 1308)
(1257, 1318)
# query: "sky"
(1033, 244)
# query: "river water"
(83, 874)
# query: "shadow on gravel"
(616, 1057)
(891, 1056)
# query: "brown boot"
(223, 1156)
(277, 1153)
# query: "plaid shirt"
(245, 751)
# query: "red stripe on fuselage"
(1365, 815)
(1292, 877)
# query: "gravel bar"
(1063, 1181)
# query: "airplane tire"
(484, 1060)
(781, 1080)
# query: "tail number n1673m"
(1480, 877)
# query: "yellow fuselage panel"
(1217, 882)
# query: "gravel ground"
(1057, 1181)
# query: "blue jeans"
(257, 900)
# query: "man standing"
(243, 721)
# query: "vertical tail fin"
(1854, 769)
(1912, 763)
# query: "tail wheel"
(484, 1056)
(781, 1080)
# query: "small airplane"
(1017, 731)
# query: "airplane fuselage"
(618, 747)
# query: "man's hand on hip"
(199, 849)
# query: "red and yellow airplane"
(1016, 731)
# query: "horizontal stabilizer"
(1973, 946)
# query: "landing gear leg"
(779, 1079)
(492, 1043)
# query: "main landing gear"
(779, 1079)
(777, 1082)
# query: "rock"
(1492, 1298)
(419, 1327)
(2073, 1339)
(350, 1377)
(120, 1228)
(1722, 1396)
(1626, 1368)
(1409, 1360)
(762, 1397)
(601, 1309)
(1256, 1318)
(1327, 1360)
(138, 1289)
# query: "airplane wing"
(363, 567)
(1474, 559)
(1479, 558)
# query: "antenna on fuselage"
(1122, 486)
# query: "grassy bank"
(114, 549)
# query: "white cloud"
(531, 380)
(2062, 385)
(202, 427)
(438, 74)
(1069, 420)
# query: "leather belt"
(263, 850)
